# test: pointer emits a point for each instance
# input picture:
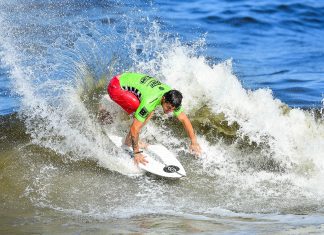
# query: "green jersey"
(148, 90)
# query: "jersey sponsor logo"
(145, 79)
(152, 82)
(161, 88)
(143, 113)
(155, 83)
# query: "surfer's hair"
(173, 97)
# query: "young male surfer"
(141, 94)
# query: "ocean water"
(251, 73)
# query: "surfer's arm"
(182, 117)
(132, 139)
(148, 118)
(133, 135)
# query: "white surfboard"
(161, 161)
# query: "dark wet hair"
(173, 97)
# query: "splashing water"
(271, 162)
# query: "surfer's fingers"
(144, 161)
(196, 150)
(140, 159)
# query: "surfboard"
(161, 161)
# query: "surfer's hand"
(195, 149)
(140, 158)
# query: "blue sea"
(252, 77)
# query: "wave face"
(262, 159)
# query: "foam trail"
(292, 137)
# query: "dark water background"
(277, 45)
(252, 76)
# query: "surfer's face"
(167, 107)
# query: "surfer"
(141, 94)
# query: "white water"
(217, 180)
(294, 138)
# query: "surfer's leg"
(125, 99)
